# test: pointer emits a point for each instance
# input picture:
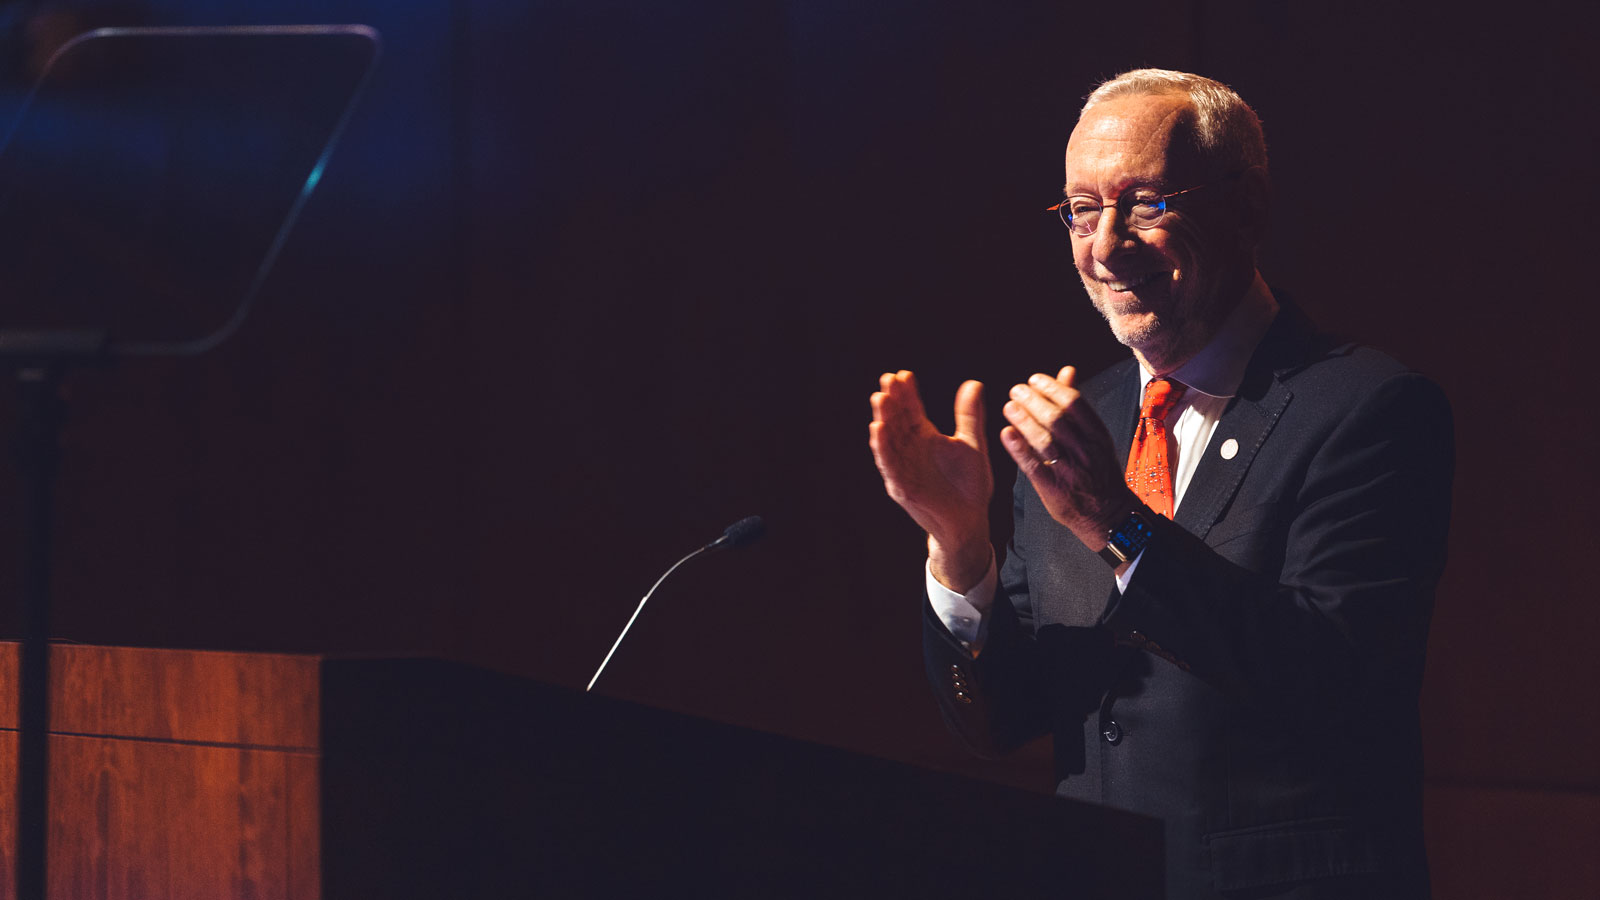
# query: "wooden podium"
(191, 774)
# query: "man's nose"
(1112, 234)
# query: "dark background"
(588, 280)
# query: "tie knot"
(1160, 396)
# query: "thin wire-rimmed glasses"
(1143, 208)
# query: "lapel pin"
(1230, 448)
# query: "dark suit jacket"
(1256, 686)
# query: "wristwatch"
(1125, 541)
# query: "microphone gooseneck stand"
(738, 534)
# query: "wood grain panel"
(131, 820)
(304, 820)
(10, 689)
(257, 699)
(251, 699)
(174, 773)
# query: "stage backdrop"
(589, 280)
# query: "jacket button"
(1111, 731)
(963, 696)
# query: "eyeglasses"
(1142, 208)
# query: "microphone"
(739, 534)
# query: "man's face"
(1167, 289)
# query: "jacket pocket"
(1286, 852)
(1239, 523)
(1252, 538)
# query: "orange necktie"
(1149, 469)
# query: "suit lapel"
(1242, 430)
(1249, 419)
(1246, 423)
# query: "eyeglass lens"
(1082, 214)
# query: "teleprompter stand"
(146, 186)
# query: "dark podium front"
(183, 774)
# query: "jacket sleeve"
(1018, 687)
(1361, 533)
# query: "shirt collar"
(1218, 369)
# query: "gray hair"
(1226, 130)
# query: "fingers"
(897, 399)
(880, 397)
(1038, 418)
(902, 388)
(1021, 451)
(881, 455)
(1036, 434)
(1047, 416)
(889, 411)
(885, 437)
(1045, 470)
(900, 432)
(970, 415)
(898, 403)
(1058, 391)
(897, 420)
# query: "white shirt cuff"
(965, 615)
(1127, 574)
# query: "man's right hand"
(942, 481)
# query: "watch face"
(1131, 536)
(1139, 528)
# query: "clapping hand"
(1063, 448)
(943, 481)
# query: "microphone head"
(740, 533)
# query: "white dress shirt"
(1212, 377)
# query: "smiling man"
(1218, 591)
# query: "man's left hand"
(1066, 452)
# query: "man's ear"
(1253, 194)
